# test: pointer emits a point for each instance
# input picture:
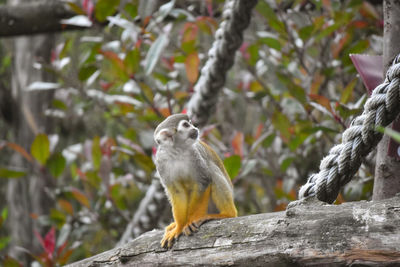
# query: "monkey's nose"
(193, 133)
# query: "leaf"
(281, 123)
(66, 206)
(4, 213)
(10, 262)
(297, 92)
(233, 165)
(40, 148)
(192, 67)
(20, 150)
(43, 86)
(56, 164)
(393, 134)
(131, 9)
(164, 10)
(96, 152)
(147, 91)
(117, 196)
(132, 61)
(4, 242)
(105, 8)
(155, 52)
(286, 163)
(50, 241)
(86, 71)
(77, 9)
(57, 217)
(7, 173)
(237, 143)
(79, 20)
(3, 217)
(306, 32)
(272, 43)
(253, 52)
(80, 197)
(322, 100)
(58, 104)
(117, 64)
(264, 9)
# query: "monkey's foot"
(191, 228)
(170, 227)
(170, 236)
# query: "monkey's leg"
(222, 196)
(198, 206)
(179, 203)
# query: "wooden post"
(387, 172)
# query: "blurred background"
(78, 109)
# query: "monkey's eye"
(186, 124)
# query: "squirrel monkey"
(192, 175)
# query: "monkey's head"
(176, 130)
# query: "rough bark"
(358, 233)
(34, 17)
(28, 195)
(387, 172)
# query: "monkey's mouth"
(193, 134)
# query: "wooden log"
(310, 234)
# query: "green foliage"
(7, 173)
(232, 165)
(105, 8)
(56, 164)
(291, 93)
(40, 148)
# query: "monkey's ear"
(163, 136)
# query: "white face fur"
(185, 134)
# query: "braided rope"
(344, 160)
(148, 214)
(228, 39)
(221, 55)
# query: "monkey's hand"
(172, 232)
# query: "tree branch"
(311, 233)
(35, 17)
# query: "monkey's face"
(184, 134)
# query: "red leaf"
(370, 69)
(88, 6)
(189, 32)
(209, 7)
(106, 85)
(243, 50)
(237, 144)
(20, 150)
(66, 206)
(260, 128)
(61, 248)
(50, 242)
(80, 197)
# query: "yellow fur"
(190, 208)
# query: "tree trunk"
(387, 172)
(313, 234)
(28, 195)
